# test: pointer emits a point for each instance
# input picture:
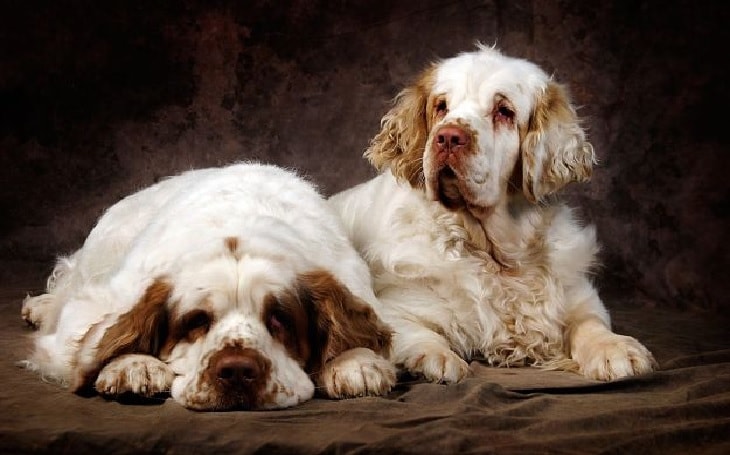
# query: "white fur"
(506, 275)
(140, 374)
(175, 231)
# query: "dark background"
(99, 99)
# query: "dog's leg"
(357, 372)
(600, 353)
(36, 311)
(136, 373)
(424, 352)
(40, 311)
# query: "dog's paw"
(35, 310)
(611, 356)
(358, 372)
(438, 365)
(134, 373)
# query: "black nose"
(238, 369)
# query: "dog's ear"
(338, 320)
(141, 330)
(403, 133)
(554, 151)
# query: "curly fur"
(471, 254)
(404, 133)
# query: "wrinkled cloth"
(683, 408)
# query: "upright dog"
(470, 253)
(231, 288)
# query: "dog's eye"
(504, 113)
(274, 324)
(195, 321)
(278, 324)
(441, 107)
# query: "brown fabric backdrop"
(100, 99)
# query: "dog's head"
(245, 324)
(476, 127)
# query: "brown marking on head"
(320, 319)
(554, 151)
(287, 320)
(232, 244)
(339, 320)
(141, 330)
(404, 131)
(188, 327)
(239, 377)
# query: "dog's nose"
(238, 369)
(451, 139)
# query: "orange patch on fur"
(141, 330)
(190, 327)
(136, 332)
(343, 321)
(554, 150)
(404, 130)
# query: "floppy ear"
(339, 321)
(554, 149)
(141, 330)
(403, 133)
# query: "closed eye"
(279, 324)
(287, 322)
(194, 324)
(274, 325)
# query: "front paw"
(611, 356)
(36, 310)
(357, 372)
(438, 365)
(134, 373)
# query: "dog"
(229, 288)
(471, 253)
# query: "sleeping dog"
(230, 288)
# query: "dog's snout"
(236, 378)
(450, 144)
(238, 369)
(451, 139)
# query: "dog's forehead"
(232, 285)
(482, 74)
